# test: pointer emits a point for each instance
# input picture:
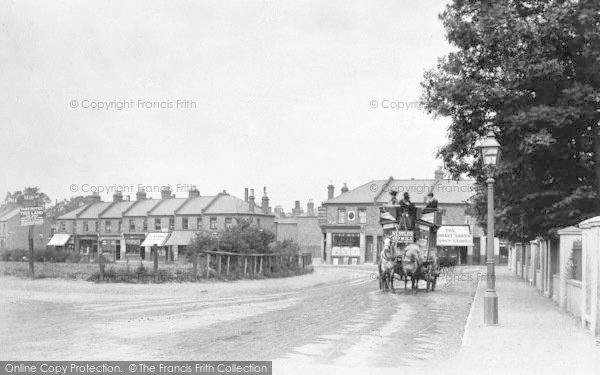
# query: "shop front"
(345, 248)
(178, 243)
(111, 248)
(452, 242)
(62, 241)
(87, 245)
(133, 247)
(159, 239)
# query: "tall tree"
(529, 70)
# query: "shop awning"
(59, 239)
(454, 235)
(158, 239)
(181, 238)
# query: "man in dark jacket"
(431, 204)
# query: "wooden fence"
(223, 264)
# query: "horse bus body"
(409, 248)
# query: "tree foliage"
(18, 196)
(530, 71)
(244, 237)
(64, 206)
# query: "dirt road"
(335, 316)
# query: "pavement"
(533, 335)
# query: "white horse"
(386, 266)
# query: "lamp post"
(490, 154)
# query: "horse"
(429, 271)
(411, 265)
(386, 266)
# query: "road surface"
(335, 316)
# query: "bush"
(73, 257)
(47, 255)
(286, 247)
(18, 255)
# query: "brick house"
(15, 236)
(112, 225)
(136, 224)
(302, 227)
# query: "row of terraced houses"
(125, 228)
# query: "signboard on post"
(32, 216)
(403, 236)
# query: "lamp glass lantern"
(489, 149)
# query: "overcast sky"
(283, 95)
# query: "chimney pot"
(117, 197)
(165, 193)
(251, 202)
(265, 202)
(193, 192)
(95, 197)
(345, 188)
(310, 208)
(330, 191)
(140, 195)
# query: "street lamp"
(490, 154)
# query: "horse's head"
(387, 251)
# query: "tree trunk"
(597, 158)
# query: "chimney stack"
(246, 194)
(438, 174)
(140, 195)
(165, 193)
(345, 188)
(118, 197)
(310, 208)
(95, 197)
(265, 202)
(193, 192)
(297, 210)
(251, 200)
(330, 190)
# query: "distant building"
(351, 220)
(129, 229)
(301, 227)
(13, 235)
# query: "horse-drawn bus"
(409, 245)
